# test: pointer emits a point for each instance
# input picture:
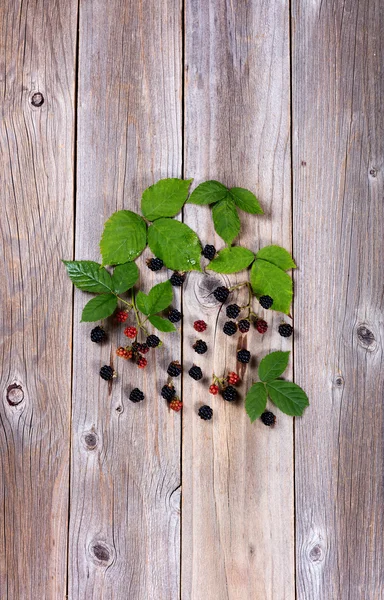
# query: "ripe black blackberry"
(266, 301)
(200, 347)
(174, 368)
(285, 330)
(155, 264)
(229, 393)
(195, 372)
(230, 328)
(244, 356)
(107, 372)
(233, 311)
(174, 315)
(209, 252)
(244, 325)
(167, 392)
(152, 341)
(268, 418)
(136, 395)
(177, 279)
(221, 293)
(98, 335)
(205, 412)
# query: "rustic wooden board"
(338, 88)
(237, 511)
(125, 496)
(37, 54)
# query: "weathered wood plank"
(338, 88)
(237, 513)
(37, 57)
(125, 531)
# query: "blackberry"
(142, 362)
(221, 293)
(230, 328)
(136, 395)
(135, 347)
(233, 311)
(268, 418)
(200, 347)
(285, 330)
(107, 372)
(167, 392)
(200, 326)
(98, 335)
(244, 325)
(261, 325)
(174, 368)
(209, 252)
(143, 348)
(152, 341)
(174, 315)
(195, 372)
(229, 393)
(155, 264)
(244, 356)
(176, 404)
(266, 301)
(177, 279)
(205, 412)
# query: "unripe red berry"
(130, 332)
(121, 316)
(214, 389)
(200, 326)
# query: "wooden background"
(103, 499)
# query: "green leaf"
(269, 280)
(288, 397)
(273, 365)
(158, 298)
(208, 192)
(176, 244)
(89, 276)
(277, 256)
(124, 277)
(256, 401)
(99, 308)
(246, 201)
(161, 324)
(124, 238)
(165, 198)
(231, 260)
(226, 220)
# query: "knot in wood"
(339, 381)
(373, 172)
(101, 553)
(316, 554)
(366, 337)
(37, 99)
(90, 440)
(15, 394)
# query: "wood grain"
(125, 496)
(237, 511)
(338, 87)
(37, 82)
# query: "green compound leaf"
(165, 198)
(158, 298)
(269, 280)
(246, 201)
(256, 401)
(288, 397)
(124, 277)
(231, 260)
(176, 244)
(99, 308)
(226, 220)
(208, 192)
(124, 238)
(89, 276)
(161, 324)
(277, 256)
(273, 365)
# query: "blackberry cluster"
(195, 372)
(152, 341)
(244, 325)
(285, 330)
(268, 418)
(98, 335)
(136, 395)
(174, 315)
(266, 301)
(106, 372)
(200, 347)
(167, 392)
(244, 356)
(174, 368)
(221, 293)
(209, 252)
(232, 311)
(177, 279)
(205, 412)
(155, 264)
(230, 328)
(229, 393)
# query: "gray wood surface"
(37, 82)
(125, 494)
(338, 144)
(237, 477)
